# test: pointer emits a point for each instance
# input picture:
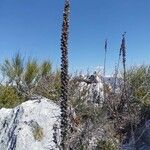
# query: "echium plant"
(105, 47)
(64, 73)
(104, 71)
(117, 65)
(123, 49)
(123, 54)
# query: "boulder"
(29, 126)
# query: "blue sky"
(33, 27)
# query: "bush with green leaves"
(136, 109)
(139, 81)
(28, 76)
(105, 145)
(9, 97)
(139, 101)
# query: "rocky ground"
(29, 126)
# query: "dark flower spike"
(123, 49)
(64, 73)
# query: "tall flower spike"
(124, 93)
(122, 52)
(106, 45)
(64, 74)
(105, 56)
(123, 49)
(104, 71)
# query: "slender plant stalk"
(64, 74)
(104, 71)
(122, 53)
(123, 48)
(124, 94)
(117, 69)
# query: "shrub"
(29, 77)
(136, 108)
(139, 103)
(9, 97)
(105, 145)
(139, 81)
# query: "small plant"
(38, 133)
(105, 145)
(9, 97)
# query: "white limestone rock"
(29, 126)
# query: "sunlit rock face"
(95, 84)
(29, 126)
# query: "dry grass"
(38, 133)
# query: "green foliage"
(17, 63)
(57, 85)
(13, 68)
(46, 68)
(105, 145)
(31, 72)
(137, 102)
(42, 80)
(139, 80)
(9, 97)
(26, 76)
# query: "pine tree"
(64, 73)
